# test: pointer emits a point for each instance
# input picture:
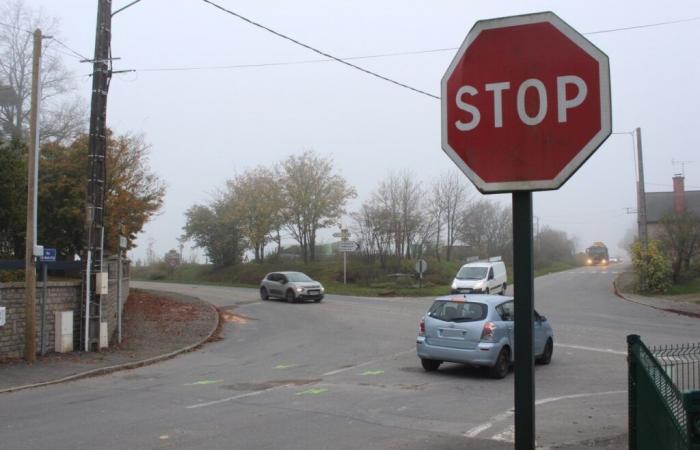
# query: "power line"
(74, 52)
(648, 25)
(287, 63)
(320, 52)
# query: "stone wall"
(61, 296)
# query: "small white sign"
(2, 316)
(122, 242)
(347, 246)
(421, 266)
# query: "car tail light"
(487, 333)
(421, 328)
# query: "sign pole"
(345, 267)
(524, 321)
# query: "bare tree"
(487, 227)
(314, 198)
(681, 238)
(449, 199)
(62, 116)
(402, 197)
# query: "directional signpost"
(525, 102)
(421, 266)
(345, 246)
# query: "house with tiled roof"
(660, 204)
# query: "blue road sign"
(49, 255)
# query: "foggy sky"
(205, 126)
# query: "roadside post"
(122, 248)
(525, 102)
(421, 266)
(49, 255)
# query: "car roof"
(476, 298)
(480, 264)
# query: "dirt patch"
(155, 321)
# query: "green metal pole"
(632, 340)
(524, 321)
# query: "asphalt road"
(343, 374)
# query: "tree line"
(401, 219)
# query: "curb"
(674, 311)
(126, 366)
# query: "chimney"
(678, 194)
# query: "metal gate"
(664, 396)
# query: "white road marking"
(473, 432)
(236, 397)
(592, 349)
(507, 435)
(356, 366)
(486, 425)
(327, 374)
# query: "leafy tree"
(62, 116)
(256, 202)
(216, 230)
(681, 239)
(314, 198)
(651, 266)
(133, 194)
(13, 199)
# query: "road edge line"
(619, 293)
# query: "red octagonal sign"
(525, 102)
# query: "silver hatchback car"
(477, 330)
(291, 286)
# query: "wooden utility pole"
(642, 199)
(641, 204)
(32, 187)
(97, 151)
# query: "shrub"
(652, 268)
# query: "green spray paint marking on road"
(372, 372)
(313, 391)
(284, 366)
(203, 382)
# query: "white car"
(291, 286)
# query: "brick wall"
(61, 296)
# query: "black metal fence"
(664, 400)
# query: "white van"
(483, 277)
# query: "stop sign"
(525, 101)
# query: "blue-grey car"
(476, 330)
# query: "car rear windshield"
(472, 273)
(298, 277)
(458, 311)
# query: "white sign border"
(585, 153)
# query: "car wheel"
(290, 296)
(263, 294)
(430, 365)
(502, 366)
(546, 356)
(503, 289)
(318, 300)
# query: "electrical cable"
(320, 52)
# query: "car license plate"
(313, 292)
(450, 333)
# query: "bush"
(652, 268)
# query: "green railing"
(664, 396)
